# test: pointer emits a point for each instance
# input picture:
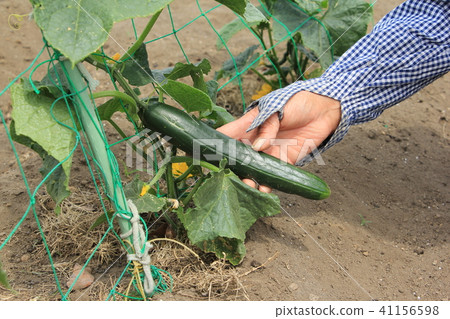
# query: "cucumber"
(187, 131)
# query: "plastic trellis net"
(251, 58)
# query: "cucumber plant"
(313, 33)
(212, 204)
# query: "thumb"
(266, 133)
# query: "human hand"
(308, 119)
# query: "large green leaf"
(190, 98)
(292, 19)
(347, 22)
(38, 122)
(311, 6)
(288, 18)
(225, 208)
(343, 23)
(3, 278)
(78, 28)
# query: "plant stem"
(274, 58)
(142, 37)
(304, 64)
(185, 174)
(157, 176)
(198, 183)
(117, 94)
(118, 129)
(262, 77)
(181, 159)
(117, 76)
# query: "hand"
(308, 119)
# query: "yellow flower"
(265, 88)
(179, 168)
(115, 57)
(144, 190)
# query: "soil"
(383, 234)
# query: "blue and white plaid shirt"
(408, 49)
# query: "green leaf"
(212, 88)
(195, 71)
(38, 122)
(190, 98)
(251, 15)
(181, 70)
(315, 38)
(219, 116)
(3, 278)
(78, 28)
(347, 22)
(313, 34)
(103, 218)
(228, 31)
(310, 6)
(160, 75)
(136, 69)
(343, 23)
(57, 182)
(54, 79)
(237, 6)
(225, 208)
(107, 109)
(145, 203)
(288, 18)
(239, 63)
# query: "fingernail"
(257, 144)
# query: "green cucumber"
(190, 134)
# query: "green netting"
(75, 90)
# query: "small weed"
(363, 221)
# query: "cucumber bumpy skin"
(187, 131)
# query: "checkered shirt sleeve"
(408, 49)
